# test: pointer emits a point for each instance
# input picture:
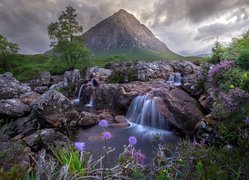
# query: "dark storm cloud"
(182, 24)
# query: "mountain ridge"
(123, 33)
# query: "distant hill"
(122, 34)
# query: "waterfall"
(90, 104)
(175, 79)
(80, 91)
(77, 101)
(144, 111)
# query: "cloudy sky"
(188, 27)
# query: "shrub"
(243, 59)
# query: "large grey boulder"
(101, 73)
(184, 67)
(10, 87)
(54, 109)
(153, 70)
(72, 77)
(13, 108)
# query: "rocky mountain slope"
(123, 33)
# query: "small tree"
(63, 34)
(7, 49)
(217, 52)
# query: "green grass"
(26, 67)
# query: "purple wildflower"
(137, 156)
(79, 145)
(222, 65)
(107, 135)
(103, 123)
(246, 120)
(132, 140)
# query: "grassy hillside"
(26, 67)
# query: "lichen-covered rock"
(13, 108)
(104, 95)
(14, 153)
(45, 78)
(54, 109)
(72, 76)
(41, 89)
(87, 119)
(29, 97)
(10, 87)
(190, 84)
(184, 67)
(25, 126)
(101, 73)
(46, 138)
(153, 70)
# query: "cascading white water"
(90, 104)
(144, 111)
(175, 79)
(77, 101)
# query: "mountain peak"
(122, 32)
(122, 11)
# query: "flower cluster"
(135, 155)
(234, 98)
(80, 146)
(221, 66)
(246, 120)
(132, 140)
(103, 123)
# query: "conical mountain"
(123, 33)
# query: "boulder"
(97, 72)
(29, 97)
(41, 89)
(45, 78)
(104, 95)
(54, 109)
(72, 77)
(153, 70)
(25, 126)
(58, 86)
(107, 116)
(87, 119)
(14, 153)
(190, 84)
(120, 121)
(184, 67)
(13, 108)
(33, 83)
(50, 137)
(10, 87)
(46, 138)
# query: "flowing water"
(144, 134)
(175, 79)
(143, 110)
(145, 123)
